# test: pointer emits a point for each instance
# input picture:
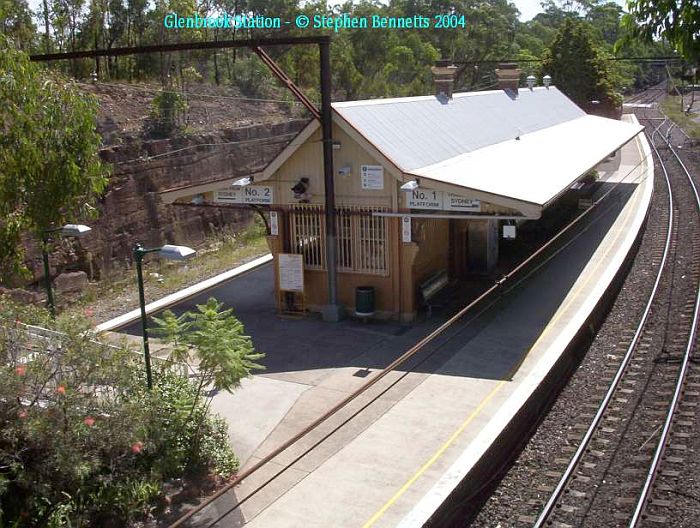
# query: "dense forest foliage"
(366, 62)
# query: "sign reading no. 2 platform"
(252, 194)
(291, 272)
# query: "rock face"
(131, 211)
(22, 296)
(71, 282)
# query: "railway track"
(649, 96)
(636, 434)
(223, 506)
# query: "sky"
(528, 8)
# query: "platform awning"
(537, 167)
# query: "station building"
(424, 187)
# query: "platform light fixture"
(531, 80)
(547, 80)
(410, 185)
(242, 182)
(74, 230)
(68, 230)
(170, 252)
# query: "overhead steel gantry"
(332, 311)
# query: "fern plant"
(214, 340)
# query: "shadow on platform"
(488, 346)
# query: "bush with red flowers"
(83, 442)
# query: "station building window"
(362, 238)
(307, 232)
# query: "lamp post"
(169, 252)
(68, 230)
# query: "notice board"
(291, 272)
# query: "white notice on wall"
(274, 224)
(228, 196)
(291, 272)
(372, 177)
(455, 202)
(424, 199)
(406, 229)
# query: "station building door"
(459, 248)
(473, 247)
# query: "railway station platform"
(437, 426)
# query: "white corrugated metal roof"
(538, 166)
(417, 131)
(470, 142)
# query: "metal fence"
(362, 239)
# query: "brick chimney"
(444, 77)
(508, 75)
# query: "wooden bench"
(430, 287)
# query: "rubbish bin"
(364, 301)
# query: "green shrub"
(167, 109)
(252, 77)
(83, 442)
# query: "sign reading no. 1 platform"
(291, 272)
(251, 194)
(423, 199)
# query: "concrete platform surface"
(394, 454)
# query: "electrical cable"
(188, 94)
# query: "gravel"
(518, 498)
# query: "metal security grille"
(308, 234)
(345, 244)
(371, 253)
(362, 242)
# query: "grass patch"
(117, 293)
(220, 253)
(671, 106)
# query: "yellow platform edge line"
(497, 388)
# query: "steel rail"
(400, 360)
(578, 455)
(430, 354)
(666, 431)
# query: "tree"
(16, 22)
(605, 18)
(49, 163)
(214, 339)
(579, 69)
(677, 21)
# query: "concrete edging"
(178, 296)
(451, 504)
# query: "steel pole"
(47, 275)
(139, 252)
(332, 311)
